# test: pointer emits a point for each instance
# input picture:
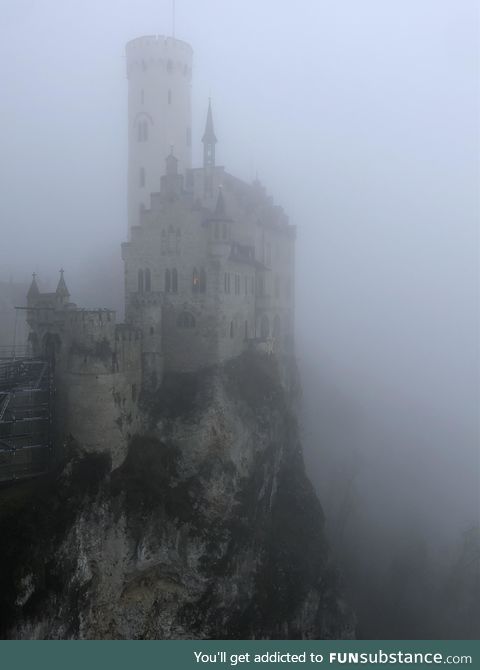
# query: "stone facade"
(216, 264)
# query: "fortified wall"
(97, 370)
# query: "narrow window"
(168, 285)
(148, 281)
(246, 330)
(225, 282)
(141, 178)
(134, 392)
(189, 137)
(145, 131)
(231, 330)
(174, 280)
(195, 281)
(277, 286)
(169, 66)
(140, 281)
(142, 96)
(224, 231)
(169, 97)
(216, 231)
(152, 330)
(246, 285)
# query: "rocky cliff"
(209, 528)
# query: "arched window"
(195, 281)
(232, 329)
(186, 320)
(168, 285)
(174, 280)
(145, 131)
(203, 281)
(140, 281)
(148, 281)
(264, 327)
(178, 242)
(227, 282)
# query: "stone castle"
(209, 265)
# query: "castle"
(209, 265)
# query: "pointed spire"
(62, 289)
(209, 139)
(33, 291)
(209, 134)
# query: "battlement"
(157, 43)
(150, 50)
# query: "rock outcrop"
(209, 528)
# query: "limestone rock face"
(209, 528)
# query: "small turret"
(33, 291)
(62, 291)
(171, 184)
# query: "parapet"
(154, 49)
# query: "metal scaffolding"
(26, 416)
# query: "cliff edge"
(209, 528)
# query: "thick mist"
(361, 119)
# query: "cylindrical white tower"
(159, 72)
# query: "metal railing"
(26, 417)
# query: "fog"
(361, 119)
